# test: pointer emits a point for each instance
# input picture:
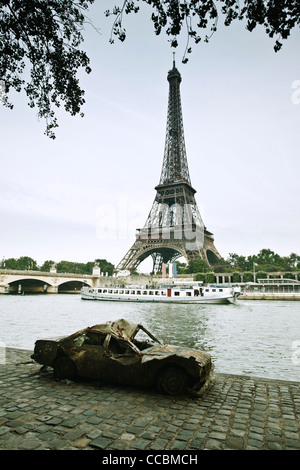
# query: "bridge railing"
(44, 273)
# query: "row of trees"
(265, 261)
(27, 263)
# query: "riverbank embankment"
(237, 412)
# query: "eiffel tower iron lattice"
(174, 227)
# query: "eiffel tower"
(174, 227)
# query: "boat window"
(162, 292)
(121, 292)
(110, 291)
(220, 290)
(104, 291)
(145, 292)
(206, 290)
(176, 293)
(99, 291)
(127, 292)
(213, 290)
(188, 294)
(138, 292)
(132, 292)
(150, 292)
(115, 291)
(157, 292)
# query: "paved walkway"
(237, 412)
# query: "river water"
(256, 338)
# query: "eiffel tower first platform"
(174, 226)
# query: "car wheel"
(172, 381)
(64, 368)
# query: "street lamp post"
(254, 264)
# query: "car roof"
(120, 329)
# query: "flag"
(175, 270)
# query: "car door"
(121, 362)
(87, 356)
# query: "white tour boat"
(216, 294)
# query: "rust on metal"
(112, 352)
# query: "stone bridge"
(12, 281)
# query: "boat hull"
(207, 300)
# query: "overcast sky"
(82, 196)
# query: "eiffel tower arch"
(174, 227)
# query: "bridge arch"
(12, 281)
(61, 281)
(72, 285)
(160, 254)
(36, 284)
(23, 285)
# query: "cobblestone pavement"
(236, 412)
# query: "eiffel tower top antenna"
(175, 165)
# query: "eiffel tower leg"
(130, 261)
(210, 251)
(157, 262)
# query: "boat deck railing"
(278, 281)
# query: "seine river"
(256, 338)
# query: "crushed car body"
(112, 353)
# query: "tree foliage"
(47, 265)
(85, 268)
(266, 260)
(40, 40)
(105, 266)
(199, 18)
(39, 52)
(25, 263)
(197, 265)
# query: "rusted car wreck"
(111, 352)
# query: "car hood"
(162, 351)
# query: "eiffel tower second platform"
(174, 227)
